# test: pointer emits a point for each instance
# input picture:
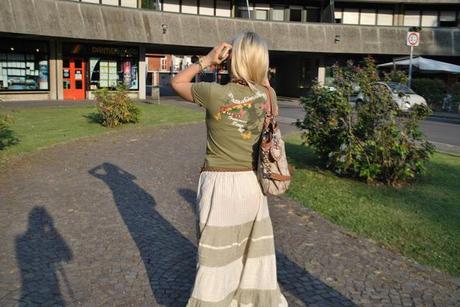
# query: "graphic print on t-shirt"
(244, 113)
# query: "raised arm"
(182, 82)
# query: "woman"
(236, 254)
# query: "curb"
(444, 119)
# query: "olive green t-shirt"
(234, 119)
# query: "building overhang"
(74, 20)
(420, 2)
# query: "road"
(445, 135)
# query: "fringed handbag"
(273, 170)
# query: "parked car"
(402, 96)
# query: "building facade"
(66, 49)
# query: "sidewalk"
(111, 221)
(453, 118)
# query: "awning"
(426, 65)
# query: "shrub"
(373, 142)
(115, 107)
(7, 136)
(433, 90)
(396, 76)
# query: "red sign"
(413, 39)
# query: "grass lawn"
(421, 221)
(40, 127)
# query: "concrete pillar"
(287, 13)
(142, 73)
(321, 71)
(52, 77)
(59, 79)
(304, 15)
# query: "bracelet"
(200, 62)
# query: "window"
(351, 16)
(261, 14)
(385, 18)
(430, 19)
(295, 14)
(338, 15)
(412, 18)
(243, 12)
(447, 19)
(223, 8)
(129, 3)
(24, 66)
(112, 72)
(189, 7)
(171, 6)
(261, 11)
(110, 2)
(313, 14)
(277, 14)
(368, 17)
(207, 7)
(163, 64)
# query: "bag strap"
(273, 110)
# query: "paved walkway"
(109, 221)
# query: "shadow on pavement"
(293, 278)
(40, 252)
(169, 257)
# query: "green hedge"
(433, 90)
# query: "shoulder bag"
(272, 167)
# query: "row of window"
(24, 66)
(126, 3)
(265, 11)
(387, 17)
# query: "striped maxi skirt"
(236, 264)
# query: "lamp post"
(247, 6)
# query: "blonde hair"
(249, 61)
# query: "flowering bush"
(376, 142)
(115, 107)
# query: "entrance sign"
(413, 39)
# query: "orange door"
(74, 79)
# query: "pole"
(410, 66)
(247, 6)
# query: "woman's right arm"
(182, 82)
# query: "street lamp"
(247, 6)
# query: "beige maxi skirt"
(236, 264)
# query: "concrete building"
(63, 49)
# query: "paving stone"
(110, 220)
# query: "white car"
(402, 96)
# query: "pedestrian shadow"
(169, 257)
(293, 278)
(40, 252)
